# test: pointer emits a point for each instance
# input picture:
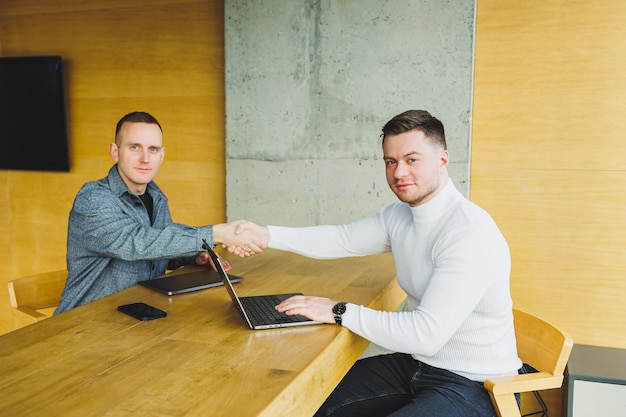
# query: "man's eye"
(134, 147)
(154, 149)
(412, 160)
(389, 162)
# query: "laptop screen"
(227, 283)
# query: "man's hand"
(253, 234)
(240, 239)
(314, 308)
(203, 258)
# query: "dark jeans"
(396, 385)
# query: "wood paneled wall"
(549, 156)
(161, 56)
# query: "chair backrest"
(36, 292)
(540, 344)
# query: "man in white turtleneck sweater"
(453, 263)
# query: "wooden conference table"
(200, 360)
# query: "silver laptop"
(187, 282)
(258, 311)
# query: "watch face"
(339, 308)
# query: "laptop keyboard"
(263, 309)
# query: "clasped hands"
(241, 237)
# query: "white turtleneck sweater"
(454, 264)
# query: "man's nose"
(145, 155)
(401, 170)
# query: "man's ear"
(445, 158)
(113, 150)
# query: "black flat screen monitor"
(33, 130)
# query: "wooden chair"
(540, 345)
(37, 292)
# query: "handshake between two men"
(242, 238)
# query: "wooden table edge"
(306, 393)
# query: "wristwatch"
(338, 310)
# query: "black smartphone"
(142, 311)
